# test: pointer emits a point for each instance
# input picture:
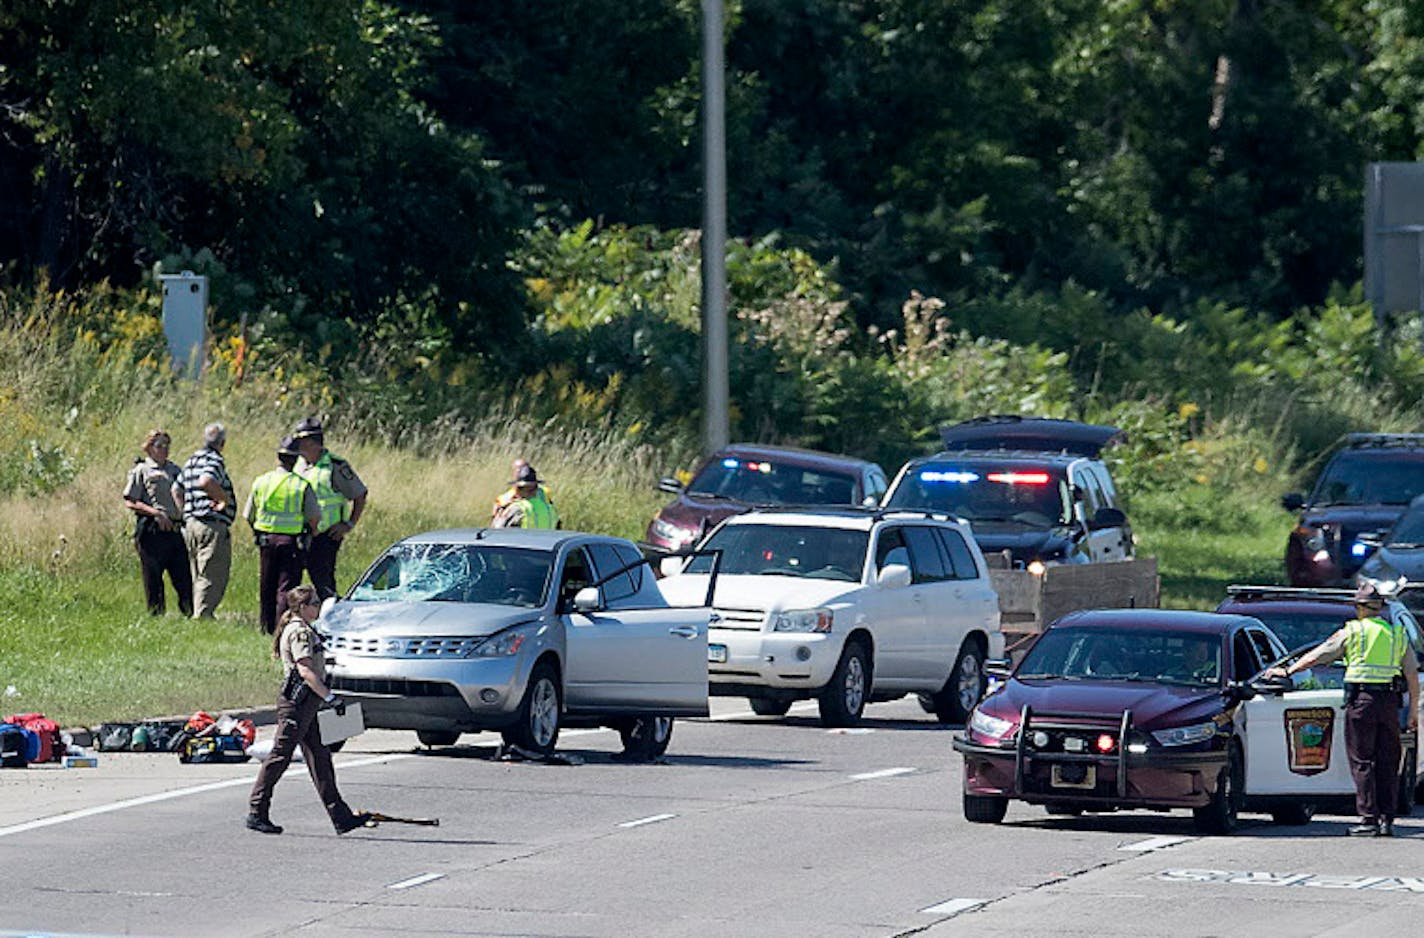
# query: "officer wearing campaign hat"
(341, 499)
(283, 512)
(1379, 665)
(529, 508)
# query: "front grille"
(393, 687)
(457, 646)
(750, 620)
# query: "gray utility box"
(1028, 602)
(185, 320)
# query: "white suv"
(847, 606)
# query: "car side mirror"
(893, 576)
(1238, 691)
(1293, 501)
(1271, 686)
(671, 566)
(1108, 518)
(670, 485)
(998, 667)
(586, 600)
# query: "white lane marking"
(850, 731)
(1154, 843)
(954, 906)
(648, 820)
(420, 880)
(168, 796)
(884, 773)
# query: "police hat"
(309, 426)
(526, 476)
(288, 447)
(1368, 595)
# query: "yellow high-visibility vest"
(537, 513)
(1374, 651)
(334, 506)
(277, 502)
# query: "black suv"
(1032, 487)
(1361, 492)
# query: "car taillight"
(1105, 743)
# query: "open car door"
(1296, 736)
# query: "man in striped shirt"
(205, 493)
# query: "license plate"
(1074, 775)
(717, 654)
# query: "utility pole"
(715, 390)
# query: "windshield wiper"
(1049, 677)
(1405, 545)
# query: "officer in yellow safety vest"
(1379, 665)
(529, 508)
(282, 510)
(510, 494)
(341, 496)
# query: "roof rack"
(1300, 592)
(1045, 434)
(1006, 454)
(928, 513)
(1383, 440)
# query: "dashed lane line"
(1155, 843)
(884, 773)
(954, 906)
(653, 819)
(420, 880)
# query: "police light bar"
(951, 475)
(1019, 478)
(731, 463)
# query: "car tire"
(769, 706)
(645, 738)
(1408, 784)
(1293, 815)
(965, 685)
(1222, 814)
(842, 700)
(985, 809)
(437, 737)
(536, 730)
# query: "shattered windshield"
(457, 573)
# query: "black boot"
(256, 822)
(360, 819)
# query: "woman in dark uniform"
(148, 493)
(304, 692)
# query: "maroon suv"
(1121, 708)
(745, 476)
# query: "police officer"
(1379, 664)
(205, 494)
(529, 508)
(510, 494)
(148, 493)
(304, 692)
(340, 496)
(282, 510)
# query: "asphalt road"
(750, 827)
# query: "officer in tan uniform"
(148, 493)
(304, 692)
(508, 496)
(341, 498)
(282, 511)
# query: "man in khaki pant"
(205, 492)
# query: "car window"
(1265, 651)
(890, 548)
(875, 484)
(1106, 654)
(1084, 478)
(1370, 477)
(962, 565)
(605, 561)
(767, 482)
(461, 573)
(1105, 483)
(791, 550)
(627, 554)
(577, 574)
(1245, 663)
(926, 560)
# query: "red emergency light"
(1019, 478)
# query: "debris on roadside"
(27, 738)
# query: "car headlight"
(1185, 735)
(803, 620)
(1313, 538)
(503, 644)
(670, 531)
(991, 726)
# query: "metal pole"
(715, 391)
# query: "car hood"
(1024, 543)
(1153, 706)
(690, 512)
(422, 618)
(756, 592)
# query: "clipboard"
(335, 727)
